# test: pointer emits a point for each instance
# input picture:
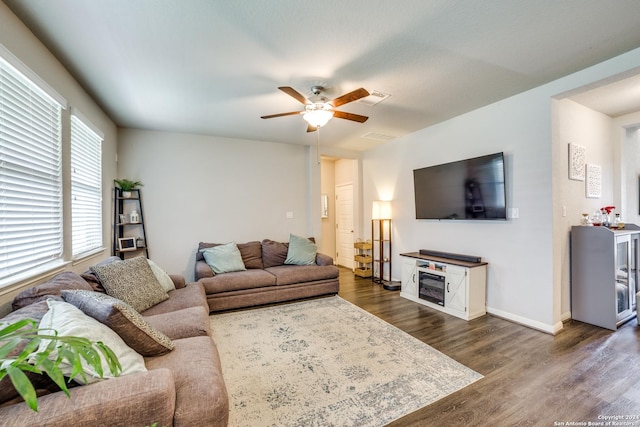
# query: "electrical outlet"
(289, 215)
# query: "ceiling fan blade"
(294, 94)
(271, 116)
(311, 128)
(350, 97)
(350, 116)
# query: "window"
(30, 171)
(86, 186)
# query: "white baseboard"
(543, 327)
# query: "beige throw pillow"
(68, 320)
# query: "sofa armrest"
(178, 280)
(203, 270)
(322, 259)
(137, 400)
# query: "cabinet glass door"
(633, 268)
(624, 288)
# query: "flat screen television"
(471, 189)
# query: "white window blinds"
(86, 187)
(30, 174)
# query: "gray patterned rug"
(326, 362)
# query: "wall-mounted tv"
(471, 189)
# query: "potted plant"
(126, 185)
(75, 350)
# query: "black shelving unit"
(124, 228)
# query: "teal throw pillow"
(302, 251)
(224, 258)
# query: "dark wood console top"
(418, 255)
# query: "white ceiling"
(213, 67)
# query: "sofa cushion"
(131, 281)
(290, 274)
(184, 323)
(68, 320)
(249, 279)
(224, 258)
(134, 330)
(51, 288)
(301, 251)
(190, 296)
(201, 394)
(273, 253)
(251, 253)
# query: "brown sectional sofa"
(183, 387)
(267, 279)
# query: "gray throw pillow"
(224, 258)
(302, 251)
(134, 330)
(131, 281)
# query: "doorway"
(344, 225)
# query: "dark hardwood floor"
(581, 375)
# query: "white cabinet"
(604, 274)
(455, 295)
(455, 287)
(409, 279)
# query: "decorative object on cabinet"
(577, 156)
(604, 274)
(381, 241)
(128, 223)
(363, 258)
(126, 244)
(455, 285)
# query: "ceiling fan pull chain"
(318, 145)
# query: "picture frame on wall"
(593, 181)
(127, 244)
(577, 159)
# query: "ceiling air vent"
(377, 136)
(375, 97)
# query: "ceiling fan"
(318, 111)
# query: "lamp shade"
(317, 115)
(381, 209)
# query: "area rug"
(326, 362)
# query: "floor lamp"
(381, 239)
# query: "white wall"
(23, 44)
(577, 124)
(328, 224)
(525, 257)
(211, 189)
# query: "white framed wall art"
(577, 156)
(593, 182)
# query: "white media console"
(456, 286)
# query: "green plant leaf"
(56, 375)
(23, 386)
(54, 350)
(13, 327)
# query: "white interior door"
(344, 225)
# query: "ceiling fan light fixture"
(318, 114)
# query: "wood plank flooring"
(531, 378)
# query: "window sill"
(86, 255)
